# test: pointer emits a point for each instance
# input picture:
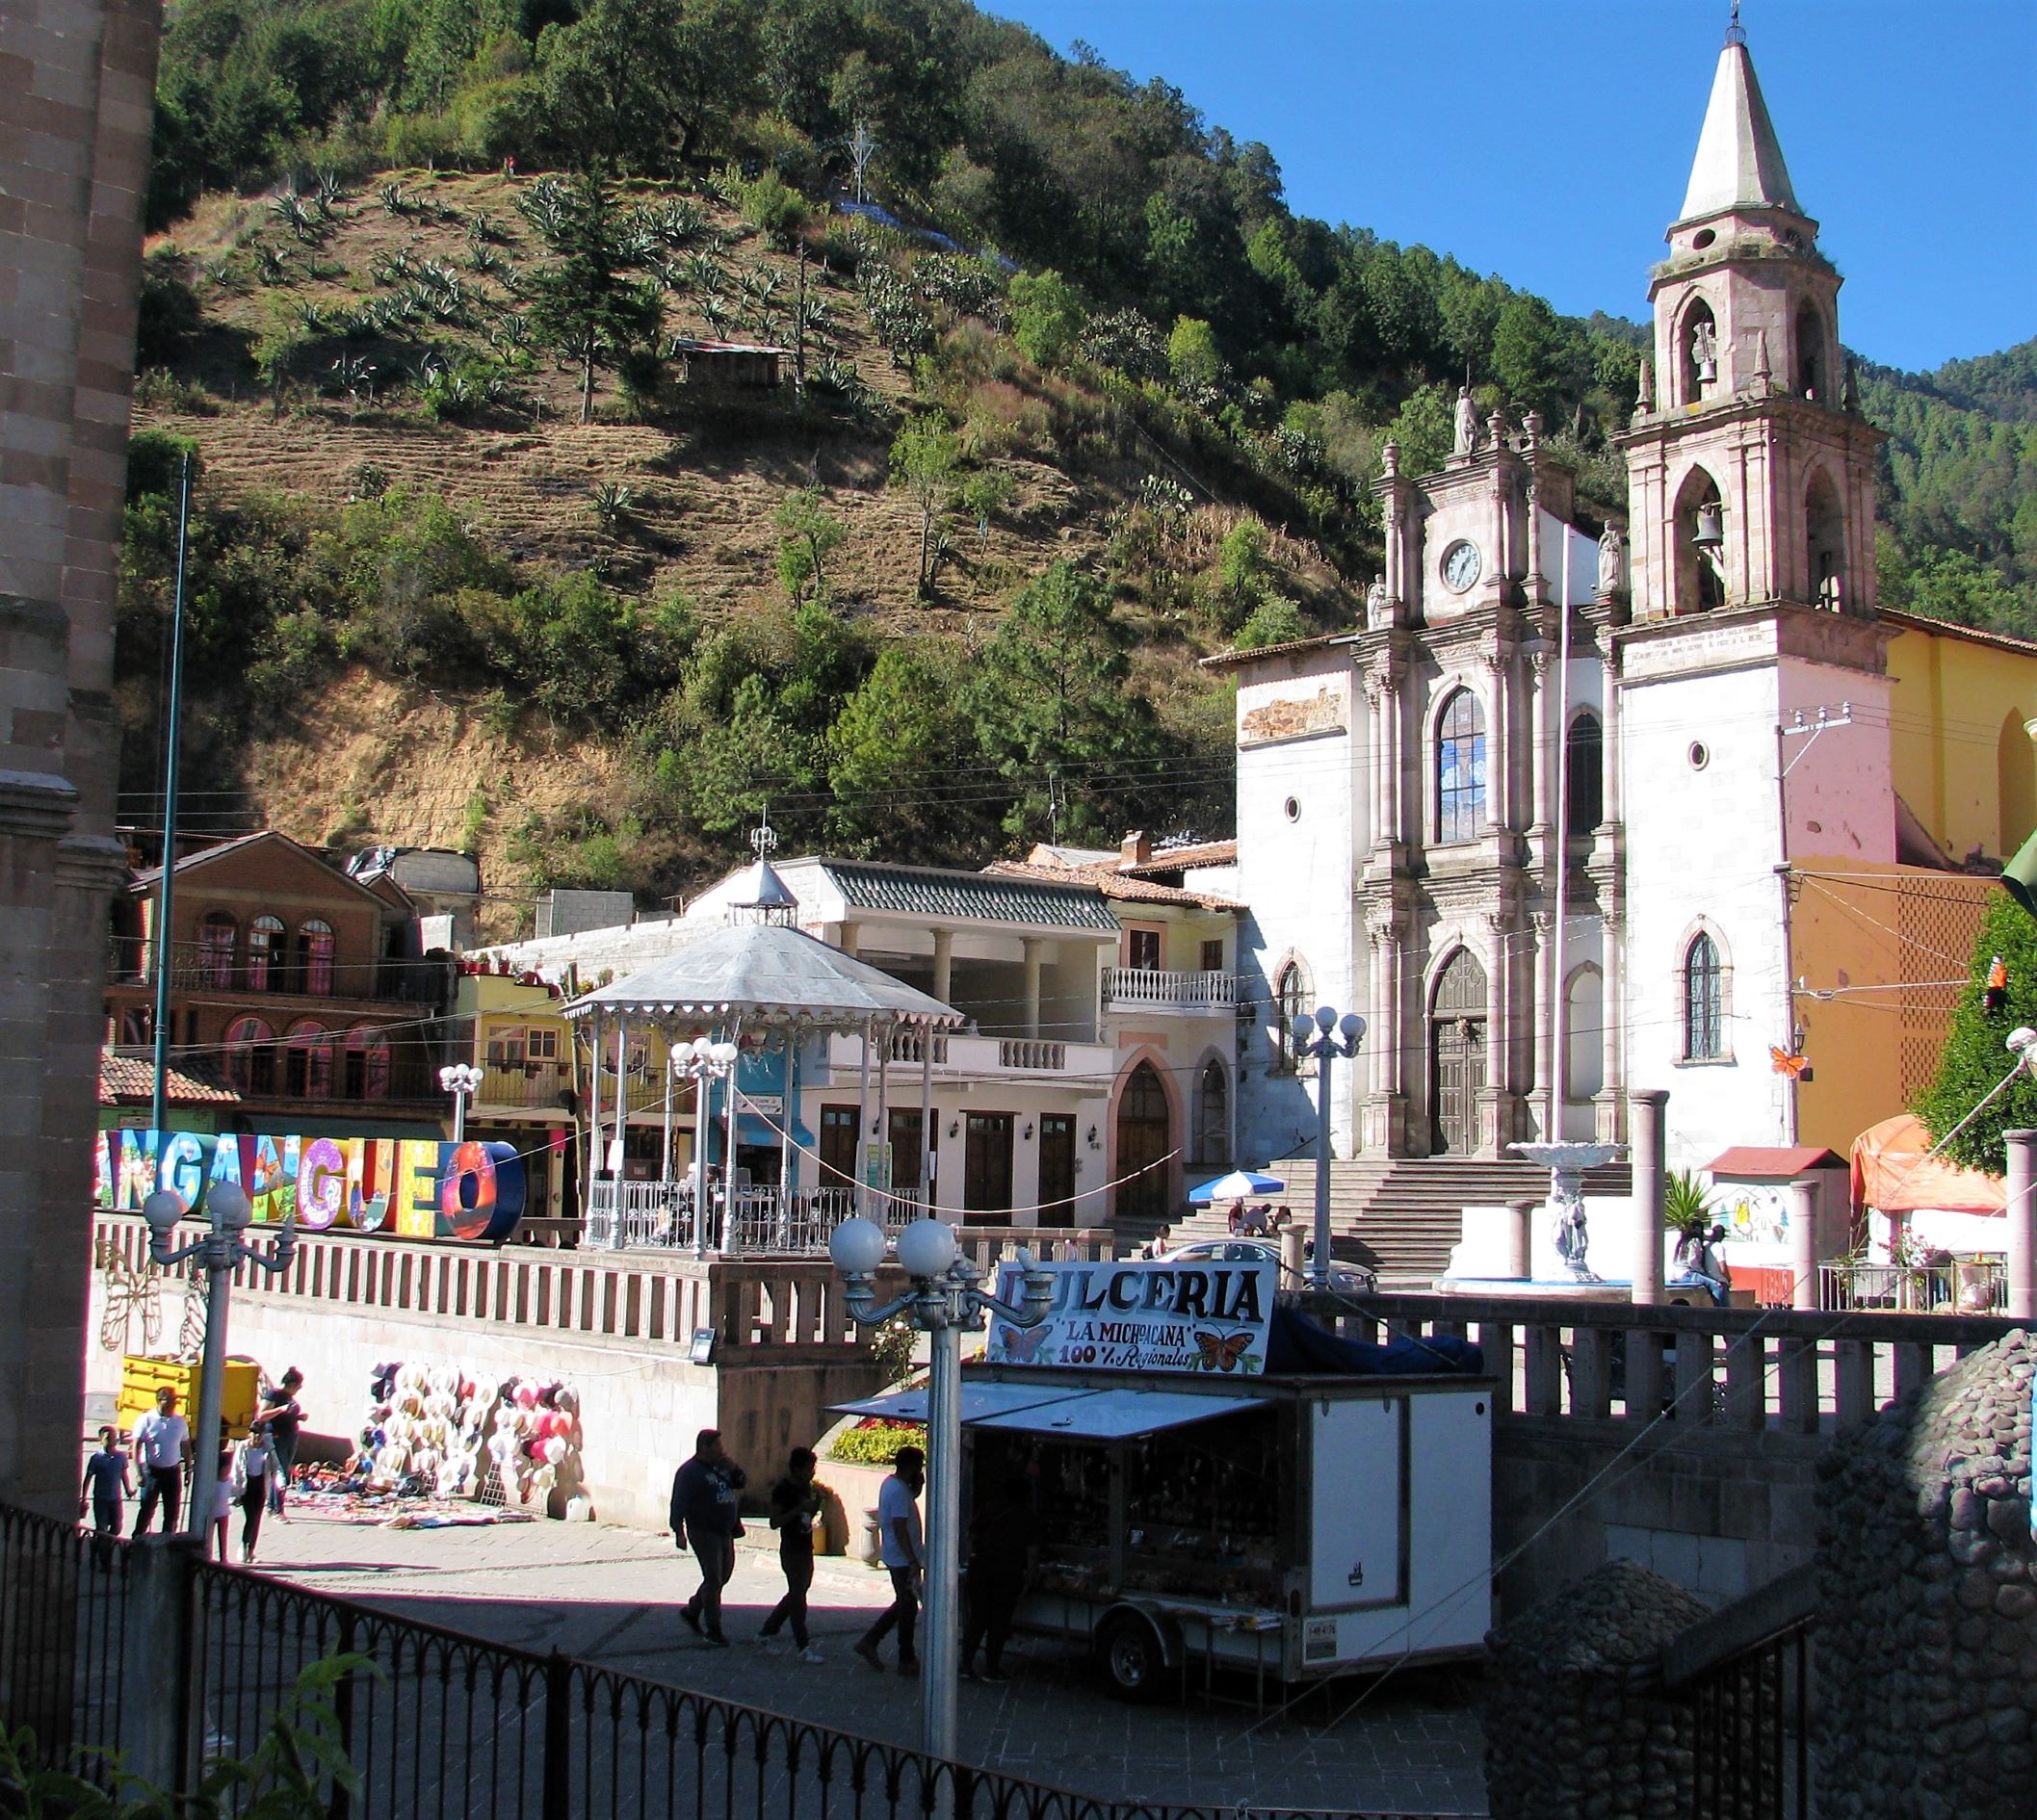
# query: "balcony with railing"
(978, 1057)
(193, 967)
(1975, 1285)
(1149, 989)
(507, 1086)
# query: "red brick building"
(296, 984)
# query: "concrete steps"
(1400, 1216)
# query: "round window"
(1700, 755)
(1292, 808)
(1702, 239)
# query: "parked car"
(1346, 1279)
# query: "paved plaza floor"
(1407, 1744)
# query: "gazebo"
(744, 998)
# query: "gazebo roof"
(762, 972)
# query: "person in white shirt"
(162, 1446)
(904, 1554)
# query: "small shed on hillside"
(730, 365)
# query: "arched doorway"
(2014, 783)
(1456, 1048)
(1143, 1140)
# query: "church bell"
(1710, 532)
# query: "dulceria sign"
(407, 1187)
(1200, 1317)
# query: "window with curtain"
(307, 1062)
(216, 940)
(1584, 760)
(1212, 1115)
(1704, 1018)
(1460, 769)
(367, 1065)
(1291, 1002)
(314, 958)
(265, 951)
(251, 1056)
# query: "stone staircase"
(1401, 1215)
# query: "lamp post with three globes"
(462, 1080)
(1329, 1038)
(944, 1303)
(219, 1252)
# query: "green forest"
(1119, 283)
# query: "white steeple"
(1740, 161)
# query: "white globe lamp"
(229, 1207)
(163, 1209)
(857, 1247)
(925, 1249)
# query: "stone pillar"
(1650, 1166)
(2021, 1237)
(1612, 1086)
(1498, 746)
(1031, 946)
(851, 936)
(1803, 1244)
(943, 962)
(1521, 1237)
(1543, 665)
(1499, 1037)
(77, 91)
(1375, 768)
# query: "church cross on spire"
(1736, 33)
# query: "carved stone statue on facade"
(1644, 392)
(1466, 422)
(1377, 610)
(1612, 562)
(1705, 350)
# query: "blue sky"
(1547, 140)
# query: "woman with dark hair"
(281, 1417)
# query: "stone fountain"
(1566, 1164)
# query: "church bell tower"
(1752, 619)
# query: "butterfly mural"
(1796, 1067)
(1023, 1346)
(1220, 1352)
(130, 1290)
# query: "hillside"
(939, 593)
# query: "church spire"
(1740, 161)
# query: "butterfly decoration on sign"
(1796, 1067)
(130, 1290)
(1023, 1344)
(1220, 1352)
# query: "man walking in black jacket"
(705, 1491)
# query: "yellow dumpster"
(142, 1376)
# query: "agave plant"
(270, 267)
(716, 314)
(395, 199)
(429, 368)
(485, 230)
(289, 208)
(704, 273)
(392, 268)
(331, 194)
(614, 503)
(544, 205)
(486, 260)
(354, 376)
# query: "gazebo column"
(855, 1161)
(880, 1129)
(926, 1118)
(729, 1149)
(593, 1144)
(622, 1104)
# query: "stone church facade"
(1533, 820)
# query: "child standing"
(794, 1505)
(105, 1489)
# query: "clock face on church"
(1460, 565)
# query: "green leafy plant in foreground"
(292, 1773)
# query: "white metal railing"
(622, 1214)
(1976, 1286)
(1030, 1053)
(660, 1214)
(910, 1046)
(1164, 991)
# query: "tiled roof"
(126, 1077)
(1230, 660)
(1172, 859)
(1125, 887)
(1056, 901)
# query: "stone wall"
(1719, 1511)
(1927, 1640)
(77, 81)
(1577, 1723)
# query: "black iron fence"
(142, 1650)
(1753, 1733)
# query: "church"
(1586, 810)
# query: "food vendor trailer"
(1199, 1510)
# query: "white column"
(1499, 772)
(943, 964)
(1611, 1081)
(1031, 946)
(623, 1098)
(1543, 766)
(927, 1119)
(1803, 1244)
(1650, 1176)
(2022, 1233)
(863, 1126)
(882, 1134)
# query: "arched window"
(1292, 1003)
(314, 957)
(1699, 547)
(1825, 542)
(1460, 769)
(1704, 1001)
(1811, 380)
(1212, 1115)
(1584, 788)
(1144, 1138)
(1585, 1034)
(307, 1062)
(265, 954)
(2014, 783)
(251, 1056)
(1697, 355)
(215, 936)
(365, 1068)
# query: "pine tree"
(1975, 1055)
(584, 304)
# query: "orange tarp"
(1889, 1173)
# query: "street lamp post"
(220, 1252)
(462, 1081)
(702, 1061)
(944, 1303)
(1329, 1038)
